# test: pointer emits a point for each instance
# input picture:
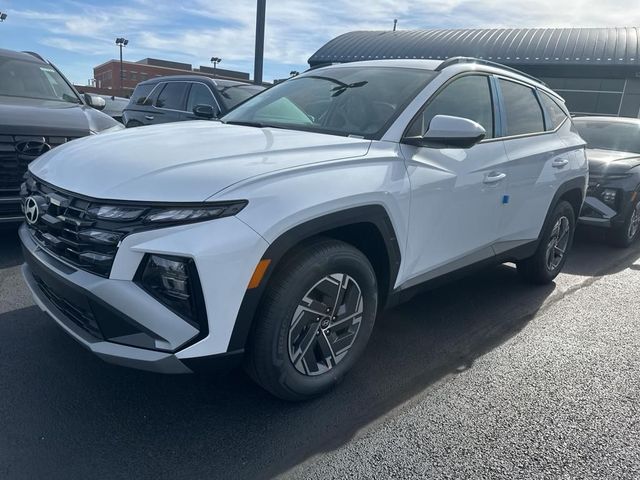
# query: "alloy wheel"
(558, 243)
(325, 324)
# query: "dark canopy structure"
(597, 70)
(524, 46)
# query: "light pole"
(3, 16)
(121, 42)
(215, 61)
(259, 53)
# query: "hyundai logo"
(33, 148)
(31, 210)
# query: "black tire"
(624, 235)
(304, 272)
(541, 268)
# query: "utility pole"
(395, 24)
(259, 53)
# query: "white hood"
(185, 161)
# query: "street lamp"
(3, 16)
(215, 61)
(121, 42)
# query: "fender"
(371, 214)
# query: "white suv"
(276, 235)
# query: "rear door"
(538, 163)
(140, 104)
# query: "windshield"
(235, 94)
(619, 136)
(22, 78)
(359, 101)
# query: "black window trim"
(494, 103)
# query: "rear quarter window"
(554, 112)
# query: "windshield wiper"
(246, 123)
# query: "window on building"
(523, 112)
(172, 96)
(134, 75)
(555, 113)
(468, 97)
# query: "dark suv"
(184, 97)
(39, 109)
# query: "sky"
(78, 35)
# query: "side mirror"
(204, 111)
(94, 101)
(450, 132)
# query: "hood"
(608, 162)
(30, 116)
(183, 161)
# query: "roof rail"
(480, 61)
(34, 54)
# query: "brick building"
(107, 75)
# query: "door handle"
(494, 177)
(149, 117)
(560, 163)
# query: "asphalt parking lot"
(485, 377)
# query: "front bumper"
(121, 323)
(596, 213)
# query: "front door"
(457, 194)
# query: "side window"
(200, 95)
(140, 94)
(522, 109)
(555, 113)
(467, 97)
(172, 96)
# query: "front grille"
(62, 225)
(14, 163)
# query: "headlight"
(609, 196)
(106, 212)
(174, 282)
(169, 214)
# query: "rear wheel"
(555, 242)
(315, 321)
(627, 233)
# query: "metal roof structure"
(619, 47)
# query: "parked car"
(39, 110)
(613, 200)
(114, 106)
(275, 235)
(184, 97)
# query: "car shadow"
(111, 422)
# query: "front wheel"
(627, 233)
(315, 321)
(555, 242)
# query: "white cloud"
(195, 30)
